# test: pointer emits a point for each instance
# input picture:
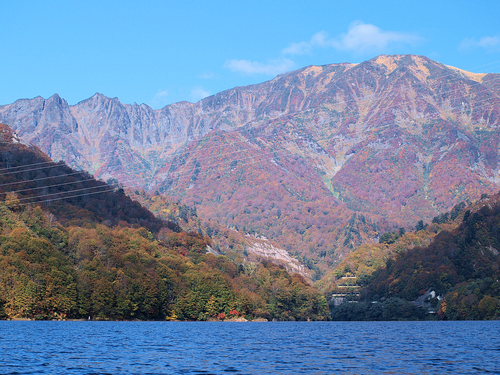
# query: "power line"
(45, 178)
(50, 186)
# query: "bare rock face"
(320, 159)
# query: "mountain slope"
(29, 177)
(321, 159)
(73, 247)
(452, 268)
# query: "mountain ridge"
(360, 147)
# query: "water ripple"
(117, 348)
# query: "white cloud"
(199, 93)
(489, 43)
(160, 99)
(208, 75)
(360, 37)
(272, 68)
(301, 48)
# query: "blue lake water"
(249, 348)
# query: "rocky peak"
(379, 144)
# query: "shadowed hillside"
(448, 269)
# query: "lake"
(36, 347)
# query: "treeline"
(455, 276)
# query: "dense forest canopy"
(448, 269)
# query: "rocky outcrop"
(264, 250)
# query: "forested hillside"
(73, 247)
(224, 240)
(447, 269)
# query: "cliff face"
(320, 159)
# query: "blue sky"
(161, 52)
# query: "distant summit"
(321, 159)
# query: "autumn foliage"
(448, 269)
(104, 256)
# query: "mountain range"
(318, 160)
